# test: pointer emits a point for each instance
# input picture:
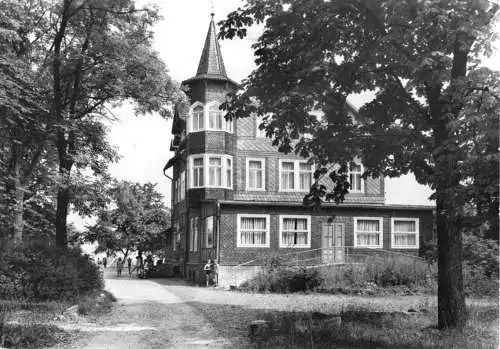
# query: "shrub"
(377, 273)
(41, 272)
(396, 271)
(284, 280)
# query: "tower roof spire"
(211, 65)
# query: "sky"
(144, 141)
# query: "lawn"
(340, 321)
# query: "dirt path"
(148, 316)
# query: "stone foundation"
(230, 275)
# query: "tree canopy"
(81, 58)
(435, 111)
(134, 219)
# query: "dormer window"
(355, 178)
(208, 118)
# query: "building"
(238, 200)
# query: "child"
(208, 270)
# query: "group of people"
(211, 271)
(103, 262)
(119, 266)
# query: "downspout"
(171, 179)
(217, 213)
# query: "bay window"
(210, 170)
(295, 232)
(253, 230)
(208, 118)
(368, 232)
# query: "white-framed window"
(215, 117)
(210, 171)
(295, 231)
(209, 232)
(182, 186)
(215, 171)
(305, 176)
(229, 172)
(253, 230)
(368, 232)
(295, 175)
(405, 233)
(355, 179)
(179, 187)
(208, 117)
(197, 172)
(194, 232)
(287, 175)
(197, 121)
(255, 174)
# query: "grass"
(362, 328)
(25, 324)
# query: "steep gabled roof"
(211, 66)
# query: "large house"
(237, 199)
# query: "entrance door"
(332, 243)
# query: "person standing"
(119, 266)
(129, 265)
(215, 272)
(139, 265)
(104, 262)
(208, 270)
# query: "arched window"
(197, 120)
(216, 119)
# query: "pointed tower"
(211, 74)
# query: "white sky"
(144, 141)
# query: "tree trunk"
(65, 165)
(18, 214)
(61, 216)
(451, 298)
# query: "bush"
(41, 272)
(284, 280)
(396, 271)
(379, 274)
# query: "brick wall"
(232, 255)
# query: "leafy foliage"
(42, 272)
(435, 110)
(76, 59)
(135, 219)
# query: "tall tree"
(23, 125)
(93, 54)
(135, 219)
(432, 101)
